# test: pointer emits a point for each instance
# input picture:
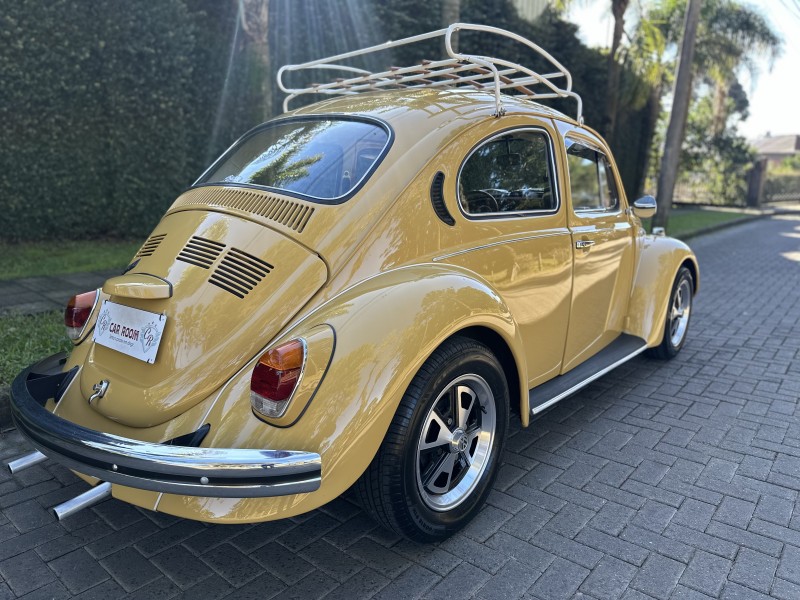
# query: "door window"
(590, 179)
(510, 173)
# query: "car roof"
(422, 107)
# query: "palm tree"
(451, 13)
(738, 34)
(614, 68)
(645, 57)
(618, 9)
(676, 131)
(729, 36)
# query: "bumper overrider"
(173, 469)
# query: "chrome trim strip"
(587, 381)
(210, 472)
(501, 243)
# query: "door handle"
(584, 244)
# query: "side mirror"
(645, 207)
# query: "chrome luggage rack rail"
(458, 70)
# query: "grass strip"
(58, 258)
(26, 339)
(684, 222)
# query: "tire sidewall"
(438, 524)
(672, 349)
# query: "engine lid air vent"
(150, 245)
(201, 252)
(292, 214)
(239, 272)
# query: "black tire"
(673, 339)
(394, 489)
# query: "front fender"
(659, 262)
(385, 328)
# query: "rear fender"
(659, 262)
(385, 328)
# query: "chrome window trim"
(517, 213)
(590, 212)
(198, 183)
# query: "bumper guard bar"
(189, 471)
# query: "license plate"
(131, 331)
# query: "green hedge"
(108, 110)
(96, 116)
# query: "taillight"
(79, 309)
(275, 378)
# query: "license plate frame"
(130, 331)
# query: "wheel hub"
(454, 448)
(459, 441)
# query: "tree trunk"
(261, 56)
(720, 108)
(618, 8)
(677, 121)
(451, 13)
(654, 104)
(254, 18)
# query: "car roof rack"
(458, 70)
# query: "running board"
(621, 350)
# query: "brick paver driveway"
(661, 480)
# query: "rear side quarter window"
(508, 174)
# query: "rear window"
(320, 159)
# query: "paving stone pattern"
(661, 480)
(38, 294)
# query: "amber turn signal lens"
(285, 357)
(275, 378)
(77, 313)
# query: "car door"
(514, 221)
(602, 246)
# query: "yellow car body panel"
(661, 258)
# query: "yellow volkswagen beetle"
(360, 292)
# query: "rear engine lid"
(234, 285)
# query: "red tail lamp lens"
(79, 309)
(275, 378)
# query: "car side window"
(509, 173)
(590, 179)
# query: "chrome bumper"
(189, 471)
